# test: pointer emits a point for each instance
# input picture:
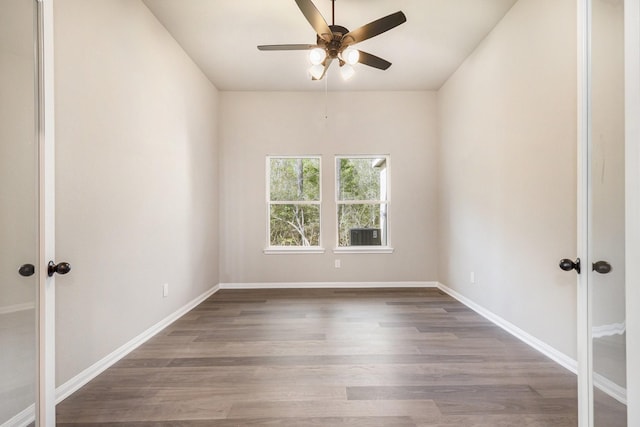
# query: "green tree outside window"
(294, 201)
(361, 198)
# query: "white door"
(26, 221)
(19, 199)
(602, 318)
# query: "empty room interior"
(228, 266)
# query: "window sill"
(363, 250)
(293, 250)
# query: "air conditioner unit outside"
(365, 237)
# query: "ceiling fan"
(335, 41)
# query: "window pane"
(362, 224)
(362, 179)
(294, 179)
(295, 225)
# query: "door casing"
(585, 384)
(632, 225)
(45, 401)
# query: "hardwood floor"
(361, 357)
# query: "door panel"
(18, 207)
(607, 214)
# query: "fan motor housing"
(334, 46)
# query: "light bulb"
(316, 71)
(347, 71)
(317, 55)
(351, 56)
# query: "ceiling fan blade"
(287, 47)
(327, 63)
(373, 61)
(315, 18)
(374, 28)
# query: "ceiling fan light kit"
(351, 56)
(317, 56)
(335, 42)
(347, 71)
(316, 71)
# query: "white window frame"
(384, 249)
(276, 250)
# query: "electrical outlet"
(165, 290)
(472, 277)
(338, 263)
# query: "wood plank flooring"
(323, 357)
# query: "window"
(293, 202)
(362, 201)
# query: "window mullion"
(361, 202)
(280, 202)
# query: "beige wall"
(508, 172)
(256, 124)
(136, 179)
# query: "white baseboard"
(544, 348)
(75, 383)
(327, 285)
(602, 383)
(17, 307)
(22, 419)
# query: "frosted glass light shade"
(316, 71)
(351, 56)
(317, 55)
(347, 71)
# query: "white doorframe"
(45, 401)
(585, 384)
(632, 181)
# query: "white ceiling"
(221, 37)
